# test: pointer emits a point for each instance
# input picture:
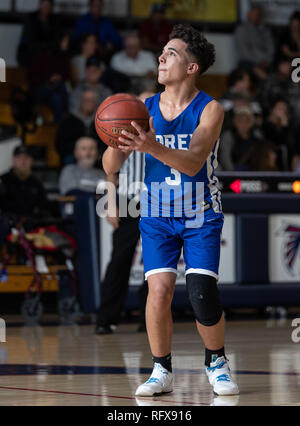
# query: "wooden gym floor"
(70, 365)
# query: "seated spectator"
(279, 130)
(296, 160)
(290, 41)
(22, 193)
(262, 157)
(116, 81)
(48, 75)
(77, 125)
(82, 176)
(154, 31)
(93, 73)
(94, 23)
(254, 43)
(281, 85)
(39, 32)
(138, 64)
(239, 93)
(237, 142)
(89, 46)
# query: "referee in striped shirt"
(126, 235)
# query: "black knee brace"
(204, 297)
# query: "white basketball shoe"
(220, 378)
(160, 381)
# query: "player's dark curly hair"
(203, 52)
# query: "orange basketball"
(116, 113)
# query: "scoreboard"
(254, 182)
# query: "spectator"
(138, 64)
(94, 23)
(154, 31)
(279, 130)
(262, 158)
(239, 93)
(82, 176)
(290, 41)
(237, 142)
(281, 85)
(89, 46)
(22, 193)
(296, 160)
(93, 73)
(48, 75)
(76, 125)
(254, 43)
(39, 32)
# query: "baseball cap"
(158, 8)
(22, 149)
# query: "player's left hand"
(143, 142)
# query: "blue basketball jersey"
(169, 192)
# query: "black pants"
(115, 285)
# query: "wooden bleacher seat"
(6, 116)
(45, 134)
(15, 76)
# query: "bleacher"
(44, 136)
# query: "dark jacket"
(36, 35)
(102, 28)
(70, 130)
(22, 197)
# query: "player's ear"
(193, 67)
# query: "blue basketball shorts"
(163, 239)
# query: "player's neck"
(179, 94)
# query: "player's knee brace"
(204, 297)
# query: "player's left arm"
(189, 161)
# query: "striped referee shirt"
(131, 176)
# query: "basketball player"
(181, 150)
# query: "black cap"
(22, 149)
(158, 7)
(93, 61)
(49, 1)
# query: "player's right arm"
(113, 160)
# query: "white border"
(159, 270)
(202, 271)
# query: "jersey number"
(177, 178)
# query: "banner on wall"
(191, 10)
(276, 12)
(76, 7)
(284, 248)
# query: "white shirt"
(144, 62)
(79, 63)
